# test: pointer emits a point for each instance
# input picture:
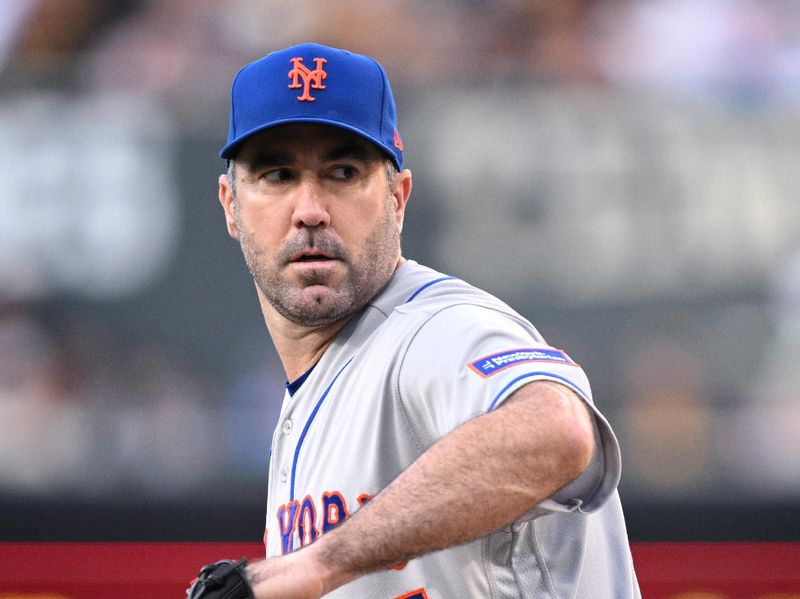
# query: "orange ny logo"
(311, 79)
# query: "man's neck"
(299, 347)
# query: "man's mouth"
(313, 258)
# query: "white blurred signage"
(88, 205)
(587, 196)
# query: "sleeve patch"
(494, 363)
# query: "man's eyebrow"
(265, 158)
(351, 150)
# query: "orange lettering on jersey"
(415, 594)
(307, 522)
(287, 521)
(311, 79)
(334, 510)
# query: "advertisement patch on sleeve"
(494, 363)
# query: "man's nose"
(310, 208)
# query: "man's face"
(317, 218)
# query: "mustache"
(317, 240)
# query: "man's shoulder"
(416, 288)
(428, 298)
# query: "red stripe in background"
(718, 570)
(105, 570)
(156, 570)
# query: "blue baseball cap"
(312, 83)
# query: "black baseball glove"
(224, 579)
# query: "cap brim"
(230, 151)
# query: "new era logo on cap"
(312, 83)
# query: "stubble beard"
(364, 278)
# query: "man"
(431, 444)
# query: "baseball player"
(431, 444)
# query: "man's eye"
(277, 175)
(343, 172)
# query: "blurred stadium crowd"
(638, 159)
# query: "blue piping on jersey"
(567, 382)
(426, 285)
(308, 425)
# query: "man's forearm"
(475, 480)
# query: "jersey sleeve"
(467, 360)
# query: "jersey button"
(284, 474)
(287, 426)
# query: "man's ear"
(401, 190)
(227, 200)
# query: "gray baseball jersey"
(427, 354)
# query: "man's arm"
(475, 480)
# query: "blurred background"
(623, 172)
